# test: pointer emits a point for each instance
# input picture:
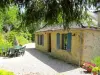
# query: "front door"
(49, 42)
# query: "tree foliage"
(11, 15)
(52, 11)
(9, 19)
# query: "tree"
(50, 11)
(10, 20)
(1, 20)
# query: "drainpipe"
(80, 51)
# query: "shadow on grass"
(56, 64)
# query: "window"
(58, 41)
(40, 39)
(66, 41)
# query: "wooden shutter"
(69, 38)
(58, 41)
(62, 41)
(38, 39)
(42, 39)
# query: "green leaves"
(50, 11)
(5, 72)
(96, 61)
(57, 11)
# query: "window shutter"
(58, 40)
(62, 41)
(42, 39)
(69, 38)
(38, 39)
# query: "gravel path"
(38, 63)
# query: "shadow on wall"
(56, 64)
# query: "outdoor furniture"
(16, 51)
(22, 50)
(4, 51)
(11, 52)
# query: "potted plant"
(88, 66)
(99, 71)
(95, 70)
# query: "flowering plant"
(88, 66)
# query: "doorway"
(49, 42)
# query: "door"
(49, 42)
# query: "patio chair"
(8, 52)
(3, 51)
(22, 51)
(11, 52)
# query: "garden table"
(17, 47)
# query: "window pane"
(65, 41)
(69, 38)
(58, 40)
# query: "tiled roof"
(59, 27)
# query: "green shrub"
(10, 36)
(5, 72)
(6, 40)
(25, 35)
(22, 40)
(22, 37)
(4, 44)
(96, 61)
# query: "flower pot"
(88, 69)
(94, 73)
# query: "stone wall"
(91, 46)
